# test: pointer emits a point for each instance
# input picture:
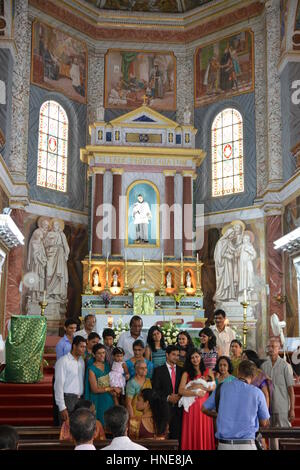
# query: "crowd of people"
(215, 396)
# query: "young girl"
(119, 373)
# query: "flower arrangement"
(170, 331)
(106, 298)
(178, 297)
(118, 329)
(238, 336)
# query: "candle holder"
(182, 286)
(162, 289)
(107, 287)
(199, 292)
(88, 288)
(43, 304)
(245, 327)
(126, 286)
(143, 280)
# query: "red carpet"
(28, 404)
(296, 423)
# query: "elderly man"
(283, 397)
(239, 408)
(89, 326)
(127, 338)
(83, 429)
(116, 422)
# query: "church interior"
(150, 166)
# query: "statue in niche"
(188, 280)
(224, 266)
(169, 280)
(115, 277)
(96, 280)
(141, 216)
(57, 251)
(246, 273)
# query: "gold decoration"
(245, 327)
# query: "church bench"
(289, 444)
(151, 444)
(38, 432)
(281, 433)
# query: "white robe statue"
(36, 262)
(224, 266)
(57, 251)
(169, 280)
(246, 273)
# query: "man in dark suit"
(165, 382)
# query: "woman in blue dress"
(138, 354)
(156, 347)
(97, 388)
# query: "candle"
(107, 257)
(245, 295)
(181, 258)
(197, 258)
(44, 296)
(162, 257)
(90, 256)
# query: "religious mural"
(59, 62)
(224, 68)
(283, 23)
(162, 6)
(296, 36)
(131, 75)
(142, 214)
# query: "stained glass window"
(53, 147)
(227, 153)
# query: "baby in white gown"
(186, 402)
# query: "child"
(108, 339)
(117, 380)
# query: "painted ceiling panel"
(159, 6)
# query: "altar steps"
(296, 422)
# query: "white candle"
(245, 295)
(162, 257)
(44, 296)
(107, 257)
(181, 258)
(197, 258)
(90, 256)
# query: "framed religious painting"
(224, 68)
(131, 75)
(58, 62)
(142, 219)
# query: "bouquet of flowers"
(170, 331)
(106, 298)
(118, 329)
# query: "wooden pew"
(289, 444)
(38, 433)
(280, 433)
(151, 444)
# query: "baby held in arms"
(200, 387)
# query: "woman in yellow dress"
(135, 385)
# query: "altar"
(142, 247)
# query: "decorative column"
(97, 213)
(169, 202)
(272, 28)
(20, 92)
(116, 193)
(15, 273)
(274, 260)
(185, 88)
(178, 216)
(187, 212)
(95, 83)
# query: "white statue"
(188, 280)
(96, 281)
(57, 251)
(246, 274)
(36, 262)
(141, 216)
(169, 280)
(187, 116)
(224, 266)
(115, 279)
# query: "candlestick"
(90, 256)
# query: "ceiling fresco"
(153, 6)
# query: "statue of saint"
(57, 251)
(187, 116)
(115, 279)
(188, 280)
(36, 262)
(224, 266)
(141, 216)
(169, 280)
(246, 274)
(96, 280)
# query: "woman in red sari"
(197, 428)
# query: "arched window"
(227, 153)
(53, 147)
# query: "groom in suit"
(165, 382)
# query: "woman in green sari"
(97, 388)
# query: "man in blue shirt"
(64, 346)
(242, 408)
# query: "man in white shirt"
(127, 338)
(89, 326)
(83, 429)
(116, 422)
(69, 378)
(224, 334)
